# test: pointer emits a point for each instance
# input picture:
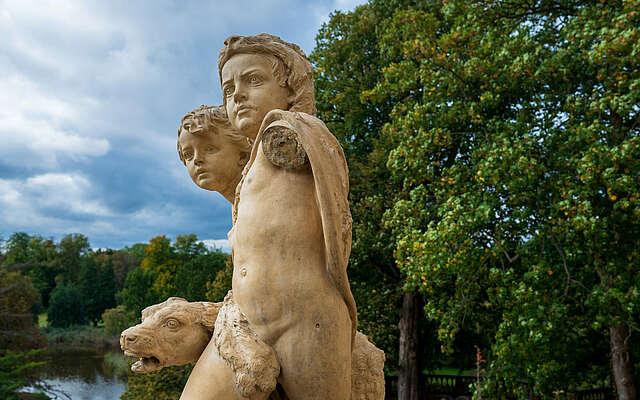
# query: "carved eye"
(254, 79)
(211, 148)
(187, 154)
(172, 323)
(228, 91)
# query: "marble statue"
(290, 241)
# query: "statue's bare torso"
(281, 283)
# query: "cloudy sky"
(91, 94)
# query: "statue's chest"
(271, 189)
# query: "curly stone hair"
(213, 117)
(290, 67)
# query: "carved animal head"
(174, 332)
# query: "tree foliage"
(220, 286)
(66, 307)
(97, 286)
(32, 255)
(17, 293)
(70, 251)
(17, 371)
(348, 65)
(166, 384)
(180, 269)
(118, 319)
(17, 299)
(184, 268)
(516, 142)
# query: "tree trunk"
(621, 364)
(409, 374)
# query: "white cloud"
(48, 200)
(33, 200)
(222, 244)
(37, 125)
(72, 192)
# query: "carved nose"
(127, 338)
(239, 95)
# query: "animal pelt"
(253, 362)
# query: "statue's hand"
(280, 145)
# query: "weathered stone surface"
(291, 240)
(173, 332)
(281, 146)
(254, 364)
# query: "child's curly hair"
(290, 66)
(213, 117)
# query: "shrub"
(118, 319)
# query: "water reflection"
(83, 373)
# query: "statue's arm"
(281, 146)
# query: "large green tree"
(70, 251)
(33, 256)
(516, 141)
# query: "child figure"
(292, 225)
(290, 241)
(212, 151)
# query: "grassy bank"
(80, 336)
(77, 335)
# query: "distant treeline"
(74, 284)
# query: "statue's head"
(213, 152)
(261, 73)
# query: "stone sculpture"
(173, 332)
(213, 152)
(291, 235)
(290, 240)
(176, 332)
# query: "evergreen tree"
(66, 307)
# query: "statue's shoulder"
(281, 145)
(282, 138)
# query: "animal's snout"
(130, 339)
(127, 338)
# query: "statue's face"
(213, 162)
(251, 91)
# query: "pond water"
(83, 373)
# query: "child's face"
(213, 161)
(251, 91)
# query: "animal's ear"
(152, 309)
(209, 314)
